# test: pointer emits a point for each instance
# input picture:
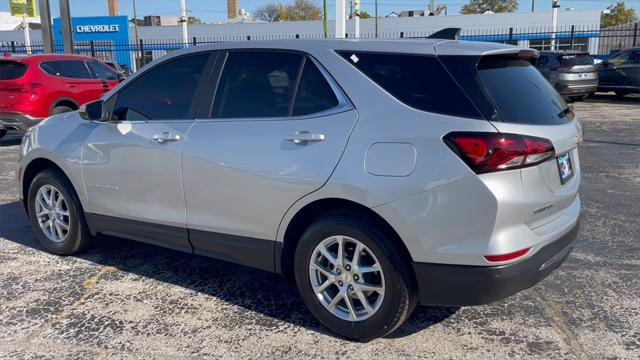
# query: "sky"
(216, 10)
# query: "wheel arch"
(68, 102)
(32, 169)
(310, 212)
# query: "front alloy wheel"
(56, 213)
(52, 213)
(347, 278)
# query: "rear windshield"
(576, 59)
(11, 70)
(416, 80)
(520, 93)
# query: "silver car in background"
(374, 174)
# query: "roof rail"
(446, 34)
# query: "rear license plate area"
(565, 168)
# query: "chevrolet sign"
(97, 28)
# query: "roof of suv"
(43, 57)
(418, 46)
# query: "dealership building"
(114, 38)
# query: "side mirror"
(93, 111)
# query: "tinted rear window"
(520, 93)
(418, 81)
(576, 59)
(11, 70)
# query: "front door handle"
(165, 137)
(304, 137)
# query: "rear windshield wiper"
(567, 111)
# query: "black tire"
(578, 98)
(3, 132)
(621, 93)
(60, 109)
(78, 236)
(400, 296)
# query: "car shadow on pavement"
(258, 291)
(12, 138)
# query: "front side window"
(162, 93)
(74, 69)
(418, 81)
(619, 59)
(256, 84)
(102, 71)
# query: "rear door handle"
(304, 137)
(165, 137)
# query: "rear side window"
(520, 93)
(164, 92)
(256, 84)
(102, 71)
(576, 59)
(12, 70)
(418, 81)
(75, 69)
(314, 92)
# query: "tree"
(496, 6)
(269, 12)
(364, 15)
(618, 14)
(297, 11)
(192, 20)
(303, 10)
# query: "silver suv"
(374, 174)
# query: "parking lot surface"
(129, 300)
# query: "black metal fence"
(598, 42)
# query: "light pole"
(357, 19)
(65, 24)
(555, 5)
(184, 19)
(376, 14)
(325, 19)
(45, 22)
(341, 20)
(25, 29)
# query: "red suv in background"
(34, 87)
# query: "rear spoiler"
(446, 34)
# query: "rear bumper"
(579, 87)
(462, 285)
(17, 121)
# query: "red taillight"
(21, 88)
(490, 152)
(507, 257)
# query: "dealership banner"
(22, 7)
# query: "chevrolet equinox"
(376, 175)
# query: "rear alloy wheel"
(353, 278)
(621, 93)
(347, 278)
